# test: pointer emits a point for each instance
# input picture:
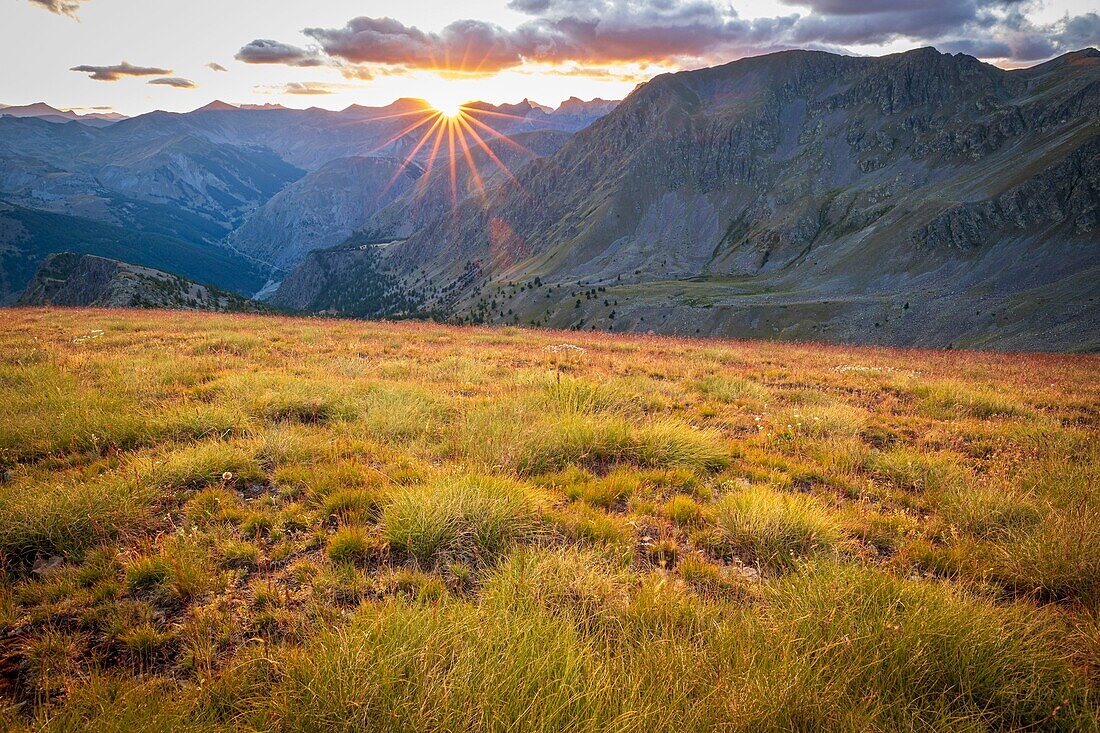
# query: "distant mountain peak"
(217, 106)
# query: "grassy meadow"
(248, 523)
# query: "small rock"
(6, 476)
(42, 566)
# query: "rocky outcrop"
(69, 279)
(1067, 192)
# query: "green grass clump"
(570, 395)
(775, 529)
(209, 463)
(610, 441)
(352, 506)
(583, 587)
(452, 668)
(71, 515)
(733, 389)
(212, 506)
(471, 517)
(904, 653)
(684, 510)
(179, 571)
(353, 545)
(240, 555)
(1055, 558)
(954, 400)
(915, 470)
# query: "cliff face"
(322, 209)
(918, 199)
(69, 279)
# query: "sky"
(135, 56)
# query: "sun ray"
(409, 158)
(494, 113)
(499, 135)
(452, 162)
(435, 151)
(430, 115)
(488, 151)
(426, 111)
(469, 158)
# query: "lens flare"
(448, 108)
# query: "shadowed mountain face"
(915, 199)
(28, 236)
(71, 279)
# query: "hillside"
(915, 199)
(214, 523)
(28, 236)
(69, 279)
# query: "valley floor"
(222, 522)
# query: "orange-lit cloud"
(118, 71)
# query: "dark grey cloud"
(215, 66)
(175, 81)
(61, 7)
(991, 29)
(593, 33)
(263, 51)
(118, 71)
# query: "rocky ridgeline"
(79, 280)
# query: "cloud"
(262, 51)
(304, 88)
(216, 66)
(175, 81)
(60, 7)
(611, 34)
(308, 88)
(118, 71)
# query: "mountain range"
(918, 199)
(255, 187)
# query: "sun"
(448, 108)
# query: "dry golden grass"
(216, 522)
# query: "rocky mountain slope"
(915, 199)
(70, 279)
(322, 209)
